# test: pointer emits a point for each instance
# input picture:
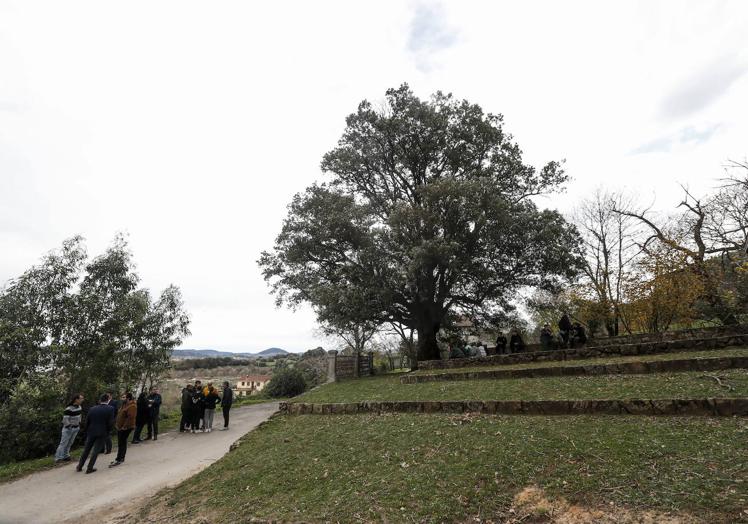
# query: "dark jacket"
(564, 324)
(196, 404)
(228, 398)
(186, 399)
(144, 412)
(500, 342)
(211, 400)
(154, 400)
(99, 421)
(516, 344)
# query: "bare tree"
(709, 233)
(610, 249)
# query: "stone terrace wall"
(647, 348)
(627, 368)
(683, 334)
(691, 407)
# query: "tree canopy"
(427, 213)
(70, 325)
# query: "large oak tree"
(427, 212)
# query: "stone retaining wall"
(693, 407)
(682, 334)
(644, 348)
(624, 368)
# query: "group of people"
(128, 415)
(199, 407)
(570, 335)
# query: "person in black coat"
(141, 419)
(185, 405)
(99, 423)
(500, 343)
(154, 404)
(516, 344)
(226, 401)
(546, 338)
(196, 408)
(114, 407)
(578, 335)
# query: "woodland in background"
(73, 325)
(648, 272)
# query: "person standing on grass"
(211, 399)
(154, 402)
(99, 423)
(71, 422)
(226, 401)
(125, 422)
(142, 417)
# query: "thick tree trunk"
(427, 347)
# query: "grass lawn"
(411, 468)
(654, 386)
(730, 352)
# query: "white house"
(251, 384)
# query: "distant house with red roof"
(251, 384)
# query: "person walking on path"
(211, 399)
(142, 417)
(71, 422)
(114, 407)
(99, 423)
(226, 401)
(154, 403)
(125, 422)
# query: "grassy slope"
(731, 352)
(412, 467)
(674, 385)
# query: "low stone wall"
(627, 368)
(682, 334)
(724, 407)
(644, 348)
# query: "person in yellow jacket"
(125, 423)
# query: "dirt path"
(63, 494)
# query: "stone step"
(715, 407)
(642, 348)
(623, 368)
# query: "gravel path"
(63, 494)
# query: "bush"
(31, 419)
(286, 382)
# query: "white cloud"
(190, 126)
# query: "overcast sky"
(189, 125)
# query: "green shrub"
(30, 420)
(286, 382)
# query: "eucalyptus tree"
(428, 210)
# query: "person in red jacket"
(125, 423)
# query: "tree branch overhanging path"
(427, 213)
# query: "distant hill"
(205, 353)
(272, 352)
